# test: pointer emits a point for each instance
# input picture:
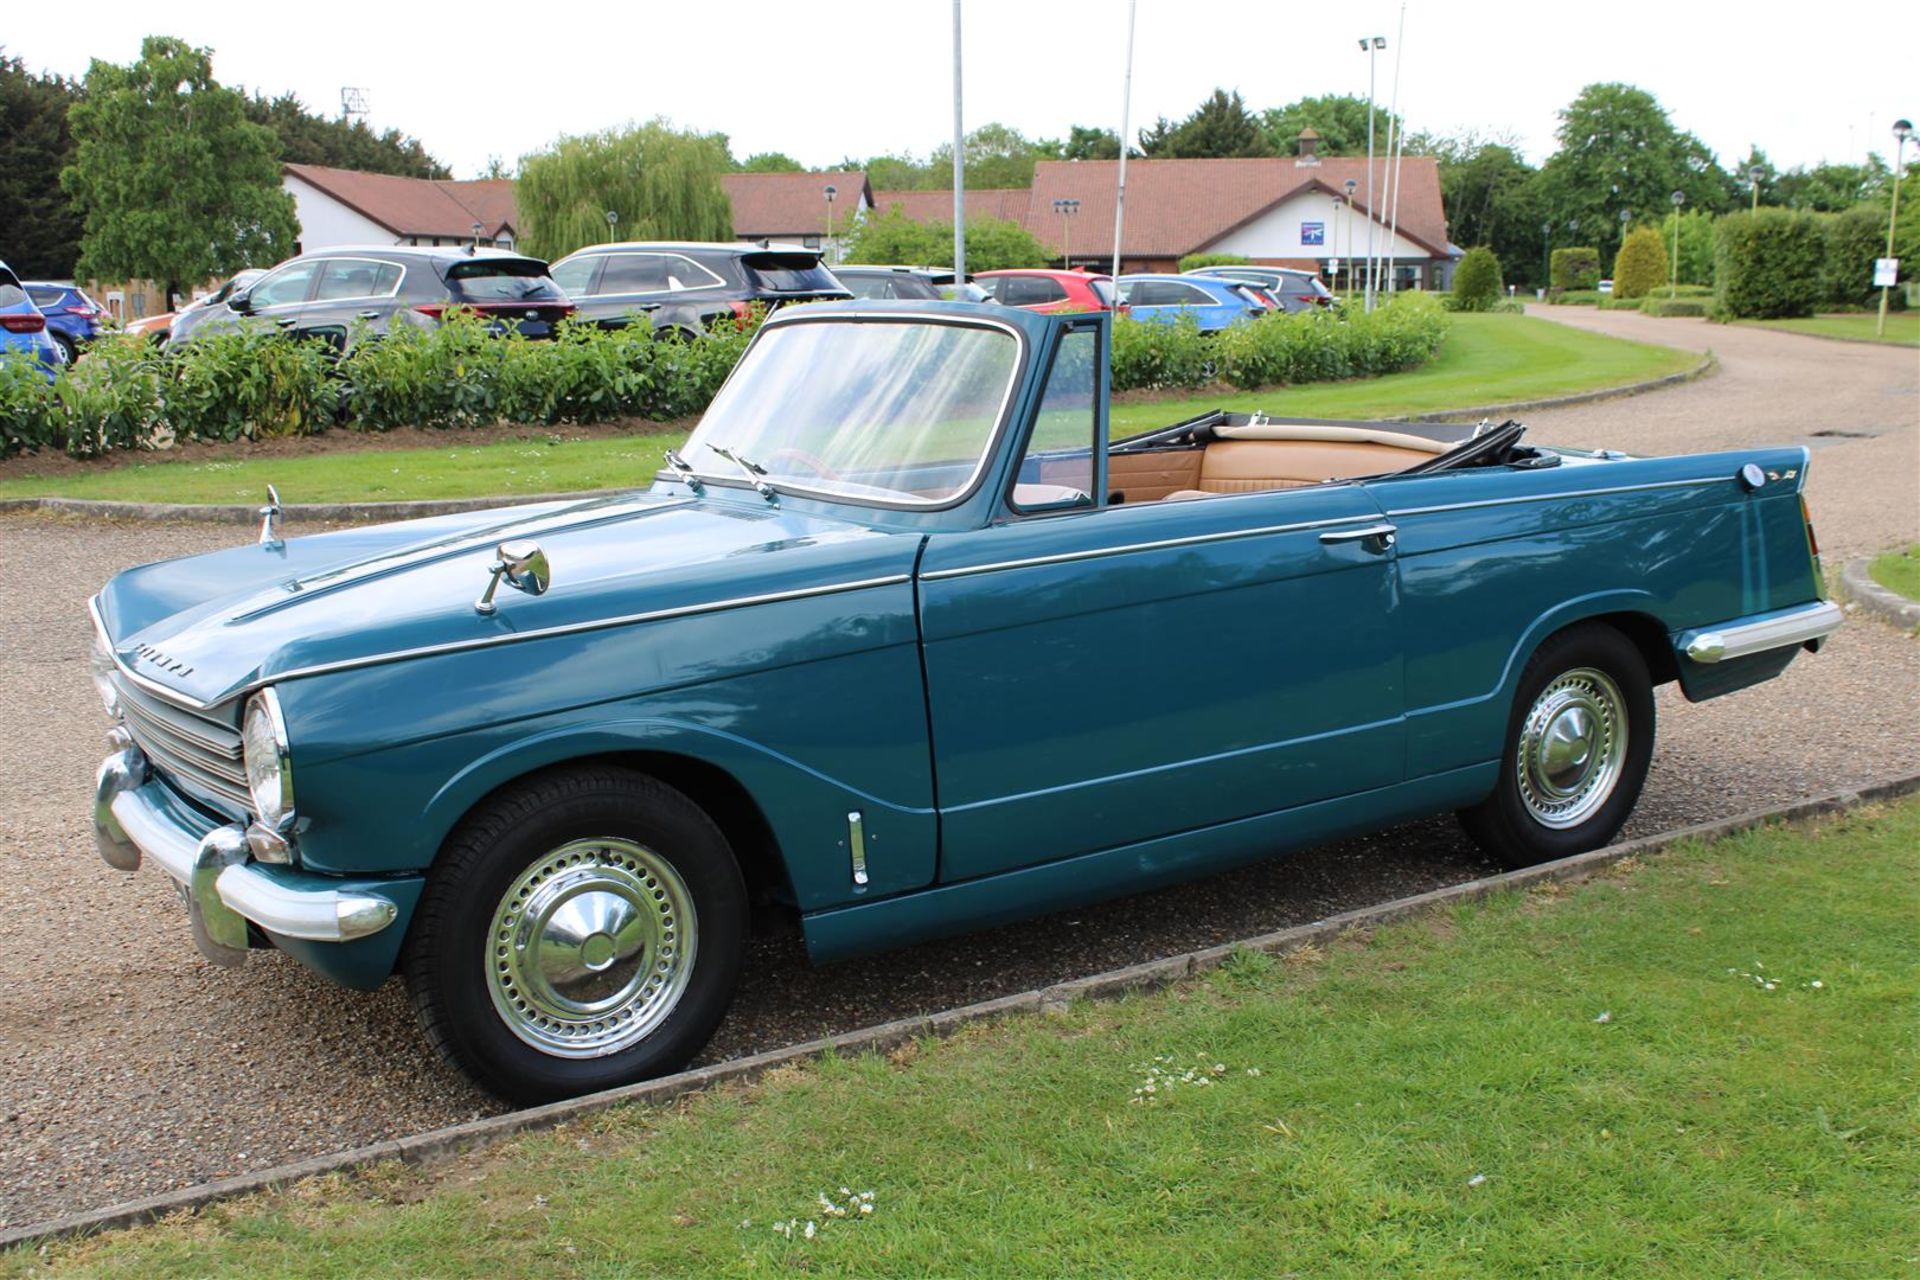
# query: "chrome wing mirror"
(523, 564)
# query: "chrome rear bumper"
(133, 817)
(1743, 637)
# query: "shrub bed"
(249, 386)
(1662, 305)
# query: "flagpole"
(1396, 143)
(1126, 123)
(959, 163)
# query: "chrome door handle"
(286, 322)
(1380, 534)
(369, 315)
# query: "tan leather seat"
(1247, 466)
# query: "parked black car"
(930, 283)
(684, 287)
(1294, 290)
(331, 293)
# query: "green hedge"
(1574, 268)
(1767, 265)
(248, 386)
(1661, 305)
(1194, 261)
(1641, 265)
(237, 386)
(1476, 282)
(1278, 349)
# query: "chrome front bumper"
(223, 891)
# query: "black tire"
(1524, 822)
(69, 352)
(603, 814)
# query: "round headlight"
(100, 662)
(268, 762)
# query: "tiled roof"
(790, 204)
(417, 206)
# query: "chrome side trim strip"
(576, 628)
(1769, 631)
(1554, 497)
(1159, 544)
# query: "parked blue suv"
(73, 319)
(1216, 304)
(23, 330)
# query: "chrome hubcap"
(591, 948)
(1573, 745)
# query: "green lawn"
(1898, 570)
(1487, 359)
(1903, 327)
(1699, 1065)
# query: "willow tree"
(660, 183)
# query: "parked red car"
(1048, 290)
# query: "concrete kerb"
(1858, 583)
(443, 1144)
(355, 512)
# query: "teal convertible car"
(899, 641)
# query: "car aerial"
(900, 644)
(1214, 304)
(1048, 291)
(682, 288)
(924, 283)
(335, 294)
(161, 328)
(73, 319)
(23, 330)
(1294, 290)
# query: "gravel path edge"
(352, 512)
(438, 1145)
(1856, 577)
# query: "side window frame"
(1096, 443)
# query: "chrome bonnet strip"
(1159, 544)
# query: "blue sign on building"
(1313, 233)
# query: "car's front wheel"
(580, 931)
(1579, 740)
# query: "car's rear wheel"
(1579, 740)
(68, 351)
(581, 931)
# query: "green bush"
(1767, 265)
(1854, 239)
(1574, 268)
(110, 400)
(1696, 245)
(29, 411)
(1576, 297)
(1659, 304)
(1154, 353)
(251, 383)
(1316, 347)
(1640, 266)
(1476, 281)
(1194, 261)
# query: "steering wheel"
(812, 462)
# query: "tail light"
(742, 310)
(23, 323)
(85, 313)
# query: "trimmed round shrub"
(1476, 281)
(1575, 268)
(1641, 265)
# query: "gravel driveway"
(128, 1067)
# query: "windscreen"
(895, 412)
(789, 273)
(503, 280)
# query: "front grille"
(200, 756)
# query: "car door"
(351, 293)
(1100, 675)
(276, 299)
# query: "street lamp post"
(1902, 130)
(1626, 216)
(476, 235)
(1754, 174)
(1350, 184)
(830, 191)
(1371, 46)
(1673, 281)
(1066, 208)
(613, 219)
(1333, 259)
(1546, 254)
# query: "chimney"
(1309, 148)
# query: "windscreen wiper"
(748, 468)
(685, 471)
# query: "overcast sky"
(860, 77)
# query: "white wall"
(326, 223)
(1277, 233)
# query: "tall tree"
(42, 229)
(1829, 188)
(1085, 142)
(771, 162)
(663, 183)
(997, 155)
(1219, 127)
(306, 138)
(174, 183)
(1618, 150)
(1339, 118)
